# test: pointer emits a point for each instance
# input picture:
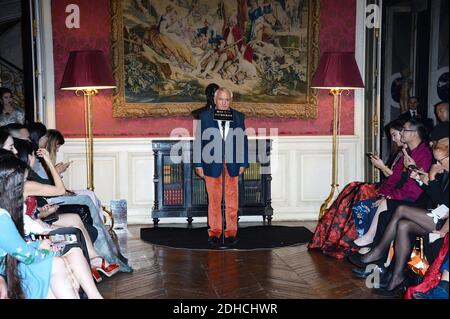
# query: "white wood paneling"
(105, 169)
(301, 173)
(141, 184)
(280, 171)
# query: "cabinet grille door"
(253, 184)
(173, 186)
(199, 196)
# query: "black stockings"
(406, 223)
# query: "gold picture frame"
(302, 104)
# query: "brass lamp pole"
(88, 94)
(335, 149)
(87, 72)
(337, 71)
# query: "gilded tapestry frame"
(307, 109)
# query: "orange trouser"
(214, 189)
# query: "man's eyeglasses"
(407, 130)
(440, 160)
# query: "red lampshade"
(87, 70)
(337, 70)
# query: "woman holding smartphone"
(409, 222)
(104, 243)
(33, 225)
(35, 270)
(336, 230)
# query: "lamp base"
(324, 207)
(110, 215)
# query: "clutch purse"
(418, 262)
(50, 219)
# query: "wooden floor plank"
(290, 273)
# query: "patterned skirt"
(336, 229)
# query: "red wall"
(337, 33)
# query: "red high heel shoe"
(109, 270)
(97, 277)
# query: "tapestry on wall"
(166, 52)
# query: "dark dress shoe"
(230, 241)
(214, 241)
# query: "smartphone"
(67, 164)
(64, 238)
(415, 169)
(56, 203)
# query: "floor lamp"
(86, 73)
(337, 72)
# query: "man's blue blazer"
(208, 145)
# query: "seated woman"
(32, 189)
(409, 222)
(336, 230)
(53, 141)
(397, 188)
(8, 112)
(25, 152)
(104, 244)
(7, 142)
(423, 202)
(34, 270)
(16, 130)
(38, 137)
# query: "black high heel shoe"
(355, 259)
(398, 290)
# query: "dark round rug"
(251, 237)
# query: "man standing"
(209, 164)
(413, 114)
(413, 110)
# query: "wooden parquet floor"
(283, 273)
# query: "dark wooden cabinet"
(179, 192)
